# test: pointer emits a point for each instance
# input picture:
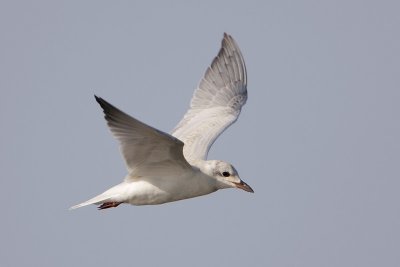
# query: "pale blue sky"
(318, 139)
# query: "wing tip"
(107, 107)
(229, 43)
(228, 38)
(99, 100)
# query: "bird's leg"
(107, 205)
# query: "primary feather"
(141, 144)
(216, 102)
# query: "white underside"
(156, 190)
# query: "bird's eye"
(226, 174)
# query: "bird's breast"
(159, 190)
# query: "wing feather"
(216, 102)
(143, 147)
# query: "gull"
(170, 167)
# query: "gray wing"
(144, 148)
(216, 103)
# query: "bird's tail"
(96, 200)
(113, 197)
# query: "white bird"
(164, 168)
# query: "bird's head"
(226, 175)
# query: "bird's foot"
(108, 205)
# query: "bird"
(166, 167)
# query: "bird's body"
(164, 168)
(154, 190)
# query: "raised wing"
(216, 103)
(145, 149)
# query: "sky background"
(318, 139)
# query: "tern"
(166, 167)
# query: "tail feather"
(96, 200)
(113, 195)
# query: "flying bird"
(166, 167)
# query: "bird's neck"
(206, 169)
(204, 166)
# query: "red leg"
(108, 205)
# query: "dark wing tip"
(107, 107)
(110, 112)
(101, 101)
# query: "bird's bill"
(242, 185)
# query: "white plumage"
(164, 168)
(216, 103)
